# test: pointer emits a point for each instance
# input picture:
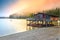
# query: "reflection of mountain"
(17, 16)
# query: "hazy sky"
(8, 7)
(4, 4)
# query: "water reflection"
(21, 25)
(6, 27)
(10, 26)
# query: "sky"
(4, 4)
(24, 7)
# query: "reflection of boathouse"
(42, 19)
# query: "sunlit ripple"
(19, 24)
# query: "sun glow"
(17, 10)
(22, 6)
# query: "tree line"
(55, 12)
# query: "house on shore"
(43, 19)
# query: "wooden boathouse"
(42, 20)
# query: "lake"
(11, 26)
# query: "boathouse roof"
(47, 14)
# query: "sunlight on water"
(19, 24)
(10, 26)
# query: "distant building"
(42, 16)
(44, 19)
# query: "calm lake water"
(11, 26)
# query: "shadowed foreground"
(38, 34)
